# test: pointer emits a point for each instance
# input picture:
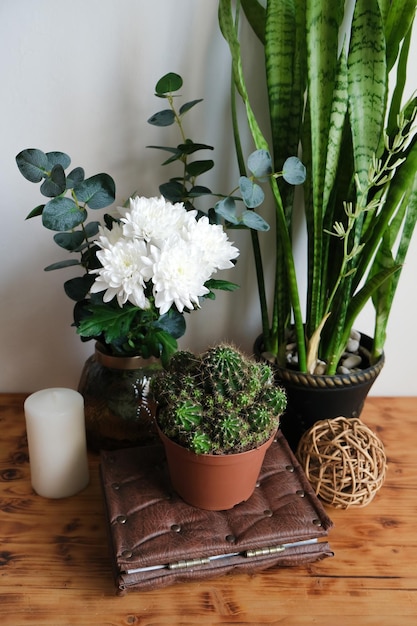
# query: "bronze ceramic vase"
(119, 409)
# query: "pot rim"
(326, 381)
(214, 458)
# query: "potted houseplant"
(331, 104)
(217, 414)
(335, 75)
(137, 275)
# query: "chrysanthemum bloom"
(122, 273)
(217, 250)
(154, 219)
(179, 271)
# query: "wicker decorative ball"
(344, 461)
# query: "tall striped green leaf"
(255, 14)
(398, 22)
(403, 224)
(322, 36)
(280, 46)
(367, 85)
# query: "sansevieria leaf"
(367, 77)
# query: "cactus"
(219, 402)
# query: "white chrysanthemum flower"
(154, 219)
(107, 238)
(178, 274)
(122, 273)
(218, 251)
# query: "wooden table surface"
(55, 567)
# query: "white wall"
(79, 77)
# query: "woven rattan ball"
(344, 461)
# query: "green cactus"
(219, 402)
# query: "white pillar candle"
(55, 427)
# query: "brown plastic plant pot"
(213, 482)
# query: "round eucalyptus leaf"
(91, 229)
(293, 171)
(260, 164)
(75, 177)
(162, 118)
(32, 164)
(69, 241)
(58, 158)
(78, 288)
(55, 183)
(254, 221)
(62, 214)
(168, 83)
(189, 105)
(226, 208)
(252, 194)
(97, 191)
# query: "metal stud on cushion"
(344, 461)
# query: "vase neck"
(122, 362)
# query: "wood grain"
(55, 567)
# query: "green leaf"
(166, 148)
(190, 147)
(62, 214)
(162, 118)
(32, 164)
(61, 264)
(172, 191)
(36, 211)
(226, 208)
(75, 177)
(252, 194)
(97, 191)
(78, 288)
(260, 164)
(254, 221)
(55, 183)
(398, 22)
(168, 346)
(168, 83)
(172, 322)
(189, 105)
(91, 229)
(293, 171)
(224, 285)
(367, 84)
(111, 321)
(199, 167)
(58, 158)
(198, 190)
(256, 15)
(69, 241)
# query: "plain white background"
(79, 77)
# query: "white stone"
(354, 360)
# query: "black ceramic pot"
(311, 398)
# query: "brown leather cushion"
(157, 539)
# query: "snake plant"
(338, 102)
